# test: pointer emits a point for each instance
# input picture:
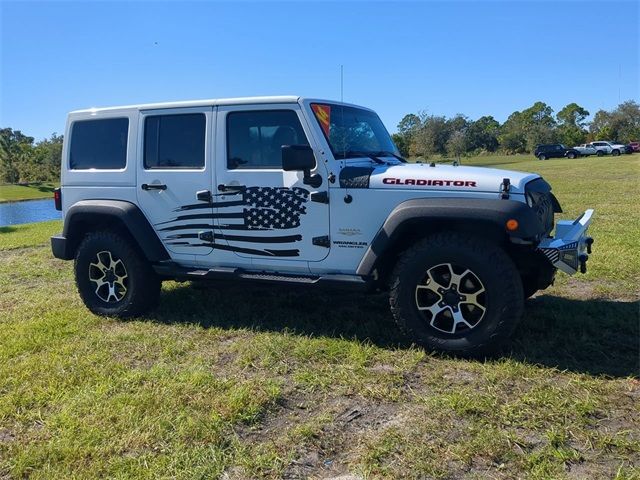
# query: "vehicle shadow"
(595, 337)
(46, 188)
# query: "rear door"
(175, 176)
(263, 213)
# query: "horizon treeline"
(22, 159)
(424, 135)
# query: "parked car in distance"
(607, 147)
(628, 149)
(635, 146)
(554, 150)
(585, 150)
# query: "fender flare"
(99, 213)
(491, 212)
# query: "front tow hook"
(582, 258)
(588, 242)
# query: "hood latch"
(504, 188)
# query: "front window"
(255, 138)
(353, 131)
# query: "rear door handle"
(228, 188)
(153, 186)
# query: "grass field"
(235, 382)
(12, 193)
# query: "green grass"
(238, 382)
(12, 193)
(28, 235)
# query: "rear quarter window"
(99, 144)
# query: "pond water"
(28, 211)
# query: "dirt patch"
(6, 436)
(576, 287)
(336, 424)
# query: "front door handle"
(204, 196)
(153, 186)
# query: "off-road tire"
(142, 283)
(529, 287)
(491, 265)
(542, 157)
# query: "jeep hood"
(421, 176)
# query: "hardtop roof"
(211, 102)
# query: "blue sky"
(474, 58)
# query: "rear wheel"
(113, 278)
(456, 293)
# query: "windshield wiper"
(385, 153)
(372, 156)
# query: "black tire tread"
(146, 293)
(483, 248)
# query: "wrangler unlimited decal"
(429, 183)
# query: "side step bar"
(175, 271)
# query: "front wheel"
(600, 153)
(615, 153)
(571, 155)
(542, 157)
(456, 293)
(113, 278)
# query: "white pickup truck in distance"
(607, 148)
(586, 149)
(304, 192)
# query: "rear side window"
(99, 144)
(174, 141)
(255, 138)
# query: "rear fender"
(92, 215)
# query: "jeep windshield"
(354, 132)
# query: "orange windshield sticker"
(323, 114)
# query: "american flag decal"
(248, 209)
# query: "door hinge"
(206, 236)
(320, 197)
(321, 241)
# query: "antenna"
(342, 83)
(619, 80)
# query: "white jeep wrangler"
(303, 192)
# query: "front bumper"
(569, 250)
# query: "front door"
(175, 177)
(262, 212)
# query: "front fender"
(472, 211)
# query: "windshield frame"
(354, 154)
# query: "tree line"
(425, 135)
(24, 160)
(419, 135)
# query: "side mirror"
(300, 158)
(297, 158)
